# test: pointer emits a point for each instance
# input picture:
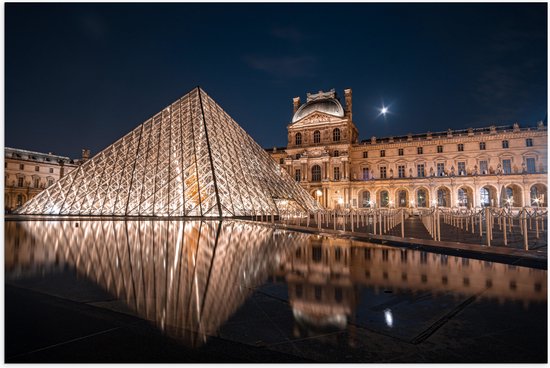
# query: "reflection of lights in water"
(389, 318)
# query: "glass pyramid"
(190, 159)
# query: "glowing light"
(389, 317)
(510, 200)
(340, 200)
(384, 110)
(319, 193)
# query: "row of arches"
(317, 137)
(14, 200)
(488, 195)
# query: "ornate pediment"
(315, 118)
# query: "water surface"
(254, 284)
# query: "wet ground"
(233, 292)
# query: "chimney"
(347, 94)
(297, 104)
(85, 154)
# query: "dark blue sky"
(83, 75)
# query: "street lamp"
(319, 193)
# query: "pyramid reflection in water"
(190, 159)
(187, 277)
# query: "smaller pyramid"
(190, 159)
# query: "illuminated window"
(384, 198)
(365, 199)
(422, 198)
(484, 197)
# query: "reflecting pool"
(254, 284)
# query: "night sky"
(82, 75)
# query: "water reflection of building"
(186, 277)
(325, 275)
(189, 277)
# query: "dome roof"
(326, 105)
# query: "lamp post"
(318, 193)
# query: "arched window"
(508, 195)
(421, 198)
(316, 136)
(316, 173)
(336, 135)
(384, 198)
(538, 195)
(442, 198)
(484, 197)
(298, 139)
(402, 198)
(365, 199)
(462, 198)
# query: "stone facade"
(27, 173)
(496, 165)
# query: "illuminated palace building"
(493, 166)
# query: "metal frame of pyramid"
(190, 159)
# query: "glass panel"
(190, 159)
